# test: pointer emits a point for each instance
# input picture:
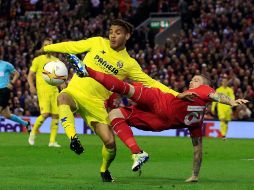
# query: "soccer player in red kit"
(158, 111)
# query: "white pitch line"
(249, 159)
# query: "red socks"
(124, 132)
(109, 82)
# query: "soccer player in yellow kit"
(224, 111)
(87, 97)
(47, 96)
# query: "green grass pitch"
(226, 164)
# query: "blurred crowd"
(217, 38)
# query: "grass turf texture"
(40, 167)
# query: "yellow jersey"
(101, 57)
(227, 91)
(37, 67)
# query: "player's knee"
(115, 113)
(62, 99)
(65, 99)
(222, 120)
(6, 115)
(109, 141)
(45, 115)
(54, 116)
(110, 144)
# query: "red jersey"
(183, 113)
(158, 111)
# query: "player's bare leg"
(108, 149)
(7, 114)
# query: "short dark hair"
(206, 80)
(126, 25)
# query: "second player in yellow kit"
(47, 96)
(87, 96)
(224, 111)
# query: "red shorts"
(150, 112)
(145, 121)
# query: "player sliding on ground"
(158, 111)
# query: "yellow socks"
(54, 130)
(108, 155)
(38, 122)
(67, 120)
(223, 128)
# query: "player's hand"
(40, 52)
(32, 90)
(192, 179)
(76, 146)
(239, 102)
(187, 96)
(10, 86)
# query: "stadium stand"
(217, 37)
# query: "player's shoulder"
(130, 60)
(9, 65)
(131, 64)
(5, 63)
(220, 89)
(40, 57)
(97, 39)
(203, 91)
(207, 87)
(127, 60)
(46, 56)
(230, 88)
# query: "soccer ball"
(55, 73)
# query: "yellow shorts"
(91, 108)
(48, 102)
(224, 115)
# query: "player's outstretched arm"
(187, 95)
(224, 99)
(240, 102)
(197, 160)
(136, 74)
(74, 47)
